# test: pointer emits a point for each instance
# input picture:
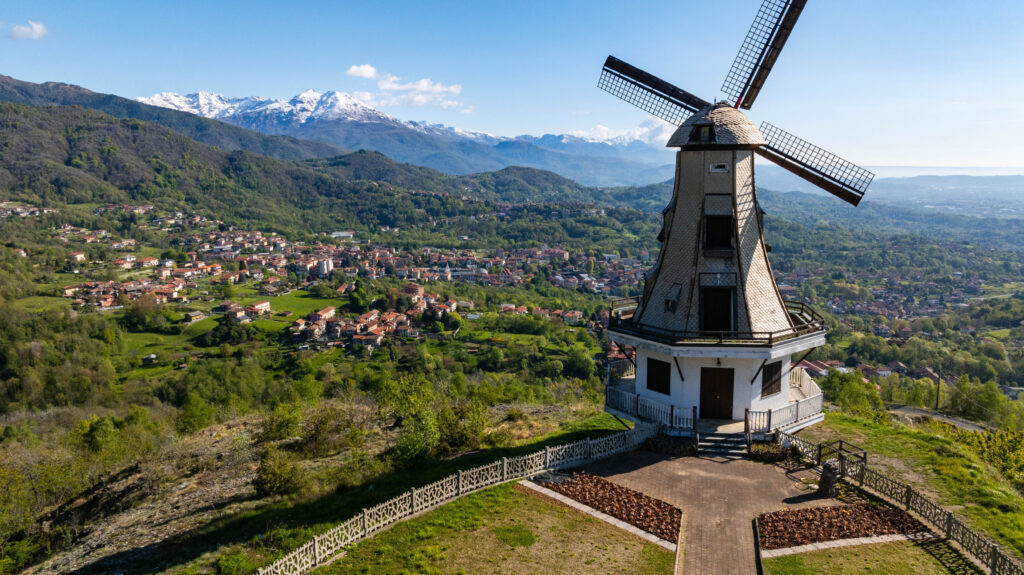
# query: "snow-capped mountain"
(339, 118)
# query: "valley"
(216, 344)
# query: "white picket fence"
(322, 548)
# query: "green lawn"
(34, 304)
(939, 468)
(503, 530)
(999, 333)
(904, 558)
(299, 302)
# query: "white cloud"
(34, 31)
(394, 92)
(362, 71)
(391, 83)
(652, 131)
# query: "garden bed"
(647, 513)
(781, 529)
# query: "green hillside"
(200, 129)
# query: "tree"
(195, 414)
(579, 364)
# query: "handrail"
(806, 320)
(766, 421)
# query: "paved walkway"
(719, 499)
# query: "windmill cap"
(731, 128)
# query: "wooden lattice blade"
(824, 169)
(648, 92)
(772, 54)
(760, 49)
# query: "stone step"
(722, 441)
(727, 445)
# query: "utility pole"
(938, 391)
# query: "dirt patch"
(652, 515)
(781, 529)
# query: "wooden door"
(716, 385)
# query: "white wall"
(686, 393)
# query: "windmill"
(712, 336)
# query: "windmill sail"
(648, 92)
(765, 39)
(820, 167)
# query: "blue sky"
(935, 83)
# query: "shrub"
(282, 423)
(772, 452)
(419, 438)
(461, 427)
(195, 414)
(276, 474)
(516, 414)
(501, 437)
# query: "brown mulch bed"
(652, 515)
(781, 529)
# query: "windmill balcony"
(804, 318)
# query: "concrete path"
(719, 499)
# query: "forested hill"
(53, 156)
(58, 156)
(198, 128)
(513, 184)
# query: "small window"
(717, 232)
(716, 309)
(771, 379)
(670, 305)
(719, 168)
(702, 135)
(659, 376)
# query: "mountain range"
(340, 119)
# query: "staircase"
(727, 445)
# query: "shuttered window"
(659, 376)
(771, 379)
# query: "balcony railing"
(791, 413)
(804, 318)
(632, 405)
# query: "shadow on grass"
(949, 558)
(315, 515)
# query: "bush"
(282, 423)
(501, 437)
(461, 427)
(276, 474)
(419, 438)
(516, 414)
(772, 452)
(195, 414)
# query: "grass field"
(999, 333)
(503, 530)
(904, 558)
(939, 468)
(35, 304)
